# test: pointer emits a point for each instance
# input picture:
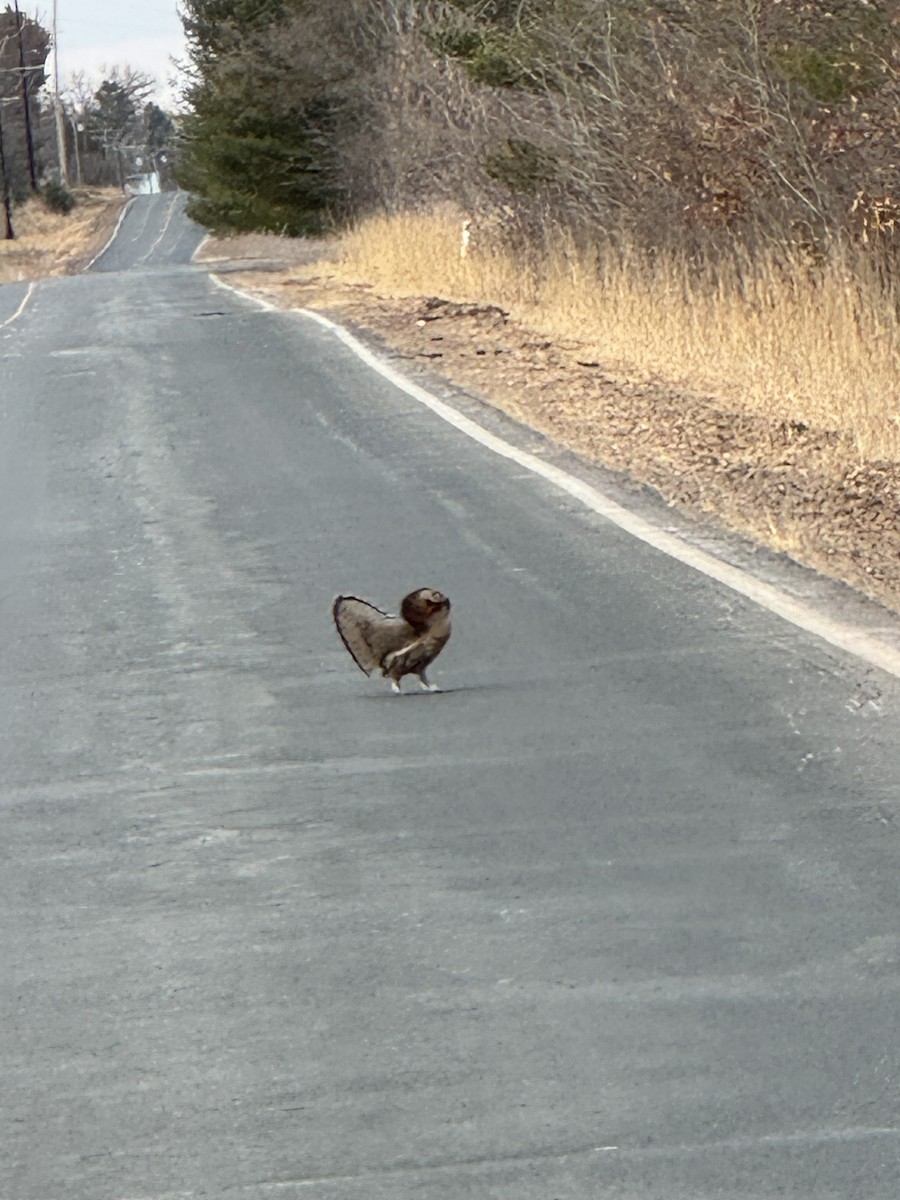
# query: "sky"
(144, 34)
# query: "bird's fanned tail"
(368, 633)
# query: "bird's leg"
(425, 685)
(395, 686)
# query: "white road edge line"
(846, 637)
(113, 235)
(21, 308)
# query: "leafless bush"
(672, 125)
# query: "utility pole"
(26, 106)
(5, 189)
(57, 107)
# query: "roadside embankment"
(49, 243)
(811, 474)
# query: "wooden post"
(5, 189)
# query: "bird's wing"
(368, 633)
(415, 656)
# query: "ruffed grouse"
(399, 646)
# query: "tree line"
(692, 123)
(115, 129)
(24, 46)
(106, 131)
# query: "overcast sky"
(95, 33)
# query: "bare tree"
(24, 45)
(108, 121)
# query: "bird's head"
(422, 607)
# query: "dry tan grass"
(776, 338)
(48, 243)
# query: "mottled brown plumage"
(399, 646)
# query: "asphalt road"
(614, 916)
(153, 233)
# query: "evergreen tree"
(252, 156)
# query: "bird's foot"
(428, 687)
(395, 687)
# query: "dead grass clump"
(773, 335)
(416, 254)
